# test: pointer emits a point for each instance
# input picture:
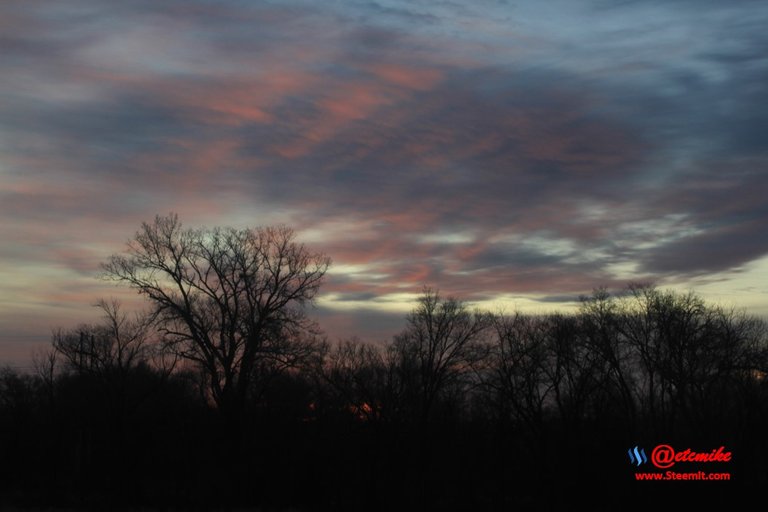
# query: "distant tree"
(518, 367)
(691, 355)
(229, 300)
(572, 368)
(46, 365)
(107, 368)
(599, 317)
(17, 390)
(438, 347)
(115, 346)
(360, 379)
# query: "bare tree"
(599, 326)
(360, 378)
(45, 364)
(438, 347)
(518, 369)
(572, 368)
(116, 345)
(689, 352)
(229, 300)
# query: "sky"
(515, 155)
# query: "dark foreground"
(546, 415)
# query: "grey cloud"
(558, 299)
(714, 251)
(376, 326)
(494, 148)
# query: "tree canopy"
(230, 300)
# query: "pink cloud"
(416, 78)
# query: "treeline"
(224, 394)
(463, 409)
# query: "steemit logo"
(637, 456)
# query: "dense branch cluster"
(228, 300)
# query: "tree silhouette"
(441, 342)
(463, 410)
(117, 345)
(229, 300)
(517, 374)
(358, 378)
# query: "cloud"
(485, 150)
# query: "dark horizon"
(462, 410)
